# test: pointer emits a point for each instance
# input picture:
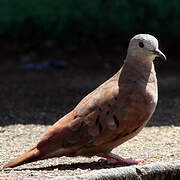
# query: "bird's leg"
(113, 158)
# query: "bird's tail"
(30, 156)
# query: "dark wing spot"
(126, 134)
(116, 120)
(64, 143)
(131, 132)
(71, 154)
(97, 119)
(134, 129)
(115, 98)
(89, 144)
(100, 128)
(107, 112)
(82, 124)
(100, 109)
(92, 108)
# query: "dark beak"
(160, 54)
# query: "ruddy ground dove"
(110, 115)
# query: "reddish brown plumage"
(107, 117)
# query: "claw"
(114, 159)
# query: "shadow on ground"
(73, 166)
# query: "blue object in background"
(45, 66)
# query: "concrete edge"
(160, 170)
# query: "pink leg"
(113, 158)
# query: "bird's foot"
(114, 159)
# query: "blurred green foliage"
(80, 22)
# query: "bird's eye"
(141, 44)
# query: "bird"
(110, 115)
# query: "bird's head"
(144, 47)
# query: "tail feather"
(33, 155)
(30, 156)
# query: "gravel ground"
(153, 144)
(31, 101)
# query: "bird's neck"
(144, 70)
(141, 66)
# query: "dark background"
(96, 26)
(52, 53)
